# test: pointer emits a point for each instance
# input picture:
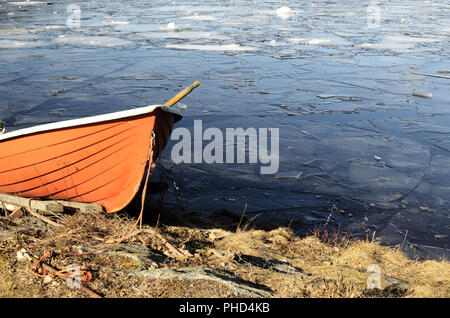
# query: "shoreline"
(220, 256)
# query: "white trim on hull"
(88, 120)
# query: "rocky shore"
(220, 256)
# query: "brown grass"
(321, 265)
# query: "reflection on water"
(337, 79)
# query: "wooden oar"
(182, 94)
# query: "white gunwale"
(88, 120)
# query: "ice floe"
(14, 44)
(26, 3)
(224, 47)
(115, 22)
(171, 26)
(318, 41)
(289, 175)
(185, 35)
(284, 12)
(199, 18)
(99, 41)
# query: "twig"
(404, 239)
(170, 247)
(17, 213)
(334, 207)
(43, 218)
(189, 237)
(4, 209)
(156, 229)
(242, 216)
(174, 252)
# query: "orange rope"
(64, 273)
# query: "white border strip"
(87, 120)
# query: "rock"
(395, 282)
(141, 256)
(48, 279)
(376, 158)
(22, 255)
(5, 235)
(241, 287)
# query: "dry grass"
(321, 265)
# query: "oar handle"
(181, 94)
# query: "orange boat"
(100, 159)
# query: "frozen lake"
(359, 91)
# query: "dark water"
(336, 81)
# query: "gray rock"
(241, 287)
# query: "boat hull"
(100, 162)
